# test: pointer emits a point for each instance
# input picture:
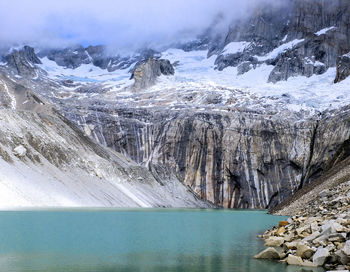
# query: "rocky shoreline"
(318, 234)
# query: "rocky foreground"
(318, 234)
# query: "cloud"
(120, 23)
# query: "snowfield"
(196, 76)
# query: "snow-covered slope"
(196, 75)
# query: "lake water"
(135, 240)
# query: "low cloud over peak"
(122, 24)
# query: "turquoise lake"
(135, 240)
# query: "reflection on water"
(135, 240)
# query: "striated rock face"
(23, 61)
(146, 72)
(343, 68)
(238, 160)
(234, 159)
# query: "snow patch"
(235, 47)
(85, 73)
(285, 38)
(279, 50)
(12, 97)
(324, 30)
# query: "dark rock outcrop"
(273, 25)
(70, 57)
(343, 68)
(146, 72)
(23, 61)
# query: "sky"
(119, 23)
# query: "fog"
(124, 24)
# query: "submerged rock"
(294, 260)
(269, 253)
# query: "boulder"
(274, 241)
(304, 251)
(320, 256)
(292, 245)
(269, 253)
(346, 248)
(342, 258)
(311, 237)
(337, 237)
(330, 227)
(294, 260)
(280, 231)
(20, 151)
(283, 223)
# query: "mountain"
(45, 160)
(239, 116)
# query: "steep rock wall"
(238, 160)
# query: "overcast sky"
(121, 23)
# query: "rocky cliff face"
(321, 28)
(237, 160)
(343, 68)
(22, 62)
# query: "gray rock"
(346, 248)
(343, 68)
(320, 256)
(337, 237)
(23, 61)
(312, 236)
(271, 26)
(342, 257)
(244, 67)
(146, 72)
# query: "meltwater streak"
(134, 240)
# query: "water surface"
(135, 240)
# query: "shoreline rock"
(318, 235)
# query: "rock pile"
(317, 235)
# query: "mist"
(122, 24)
